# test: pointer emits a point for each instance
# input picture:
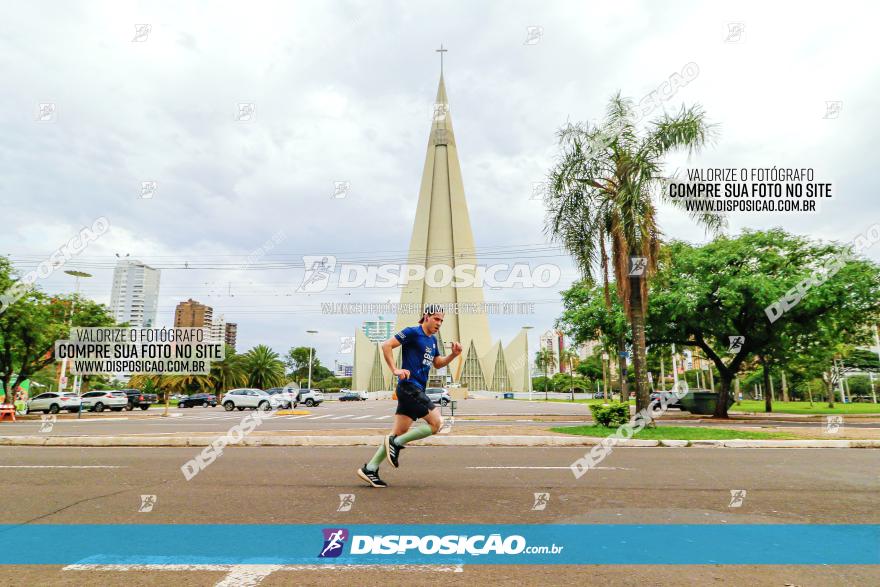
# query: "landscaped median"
(440, 440)
(677, 433)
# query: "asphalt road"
(369, 415)
(442, 485)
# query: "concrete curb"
(511, 441)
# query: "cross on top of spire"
(441, 51)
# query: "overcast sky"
(343, 92)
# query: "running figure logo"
(541, 501)
(346, 344)
(147, 503)
(737, 497)
(334, 541)
(637, 266)
(47, 422)
(833, 424)
(736, 343)
(317, 274)
(346, 500)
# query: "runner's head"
(432, 318)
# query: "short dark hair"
(431, 309)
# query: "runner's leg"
(401, 424)
(434, 423)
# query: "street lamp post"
(604, 376)
(61, 378)
(311, 349)
(528, 372)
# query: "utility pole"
(674, 370)
(662, 375)
(311, 350)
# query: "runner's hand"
(456, 349)
(402, 373)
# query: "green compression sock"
(414, 433)
(377, 459)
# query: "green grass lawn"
(804, 407)
(677, 433)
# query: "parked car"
(438, 395)
(140, 399)
(53, 402)
(309, 397)
(656, 395)
(249, 398)
(96, 401)
(346, 395)
(283, 395)
(198, 399)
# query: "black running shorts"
(412, 401)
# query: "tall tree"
(544, 359)
(263, 368)
(297, 361)
(228, 373)
(30, 326)
(600, 198)
(705, 295)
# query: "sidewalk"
(356, 438)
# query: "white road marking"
(247, 575)
(382, 417)
(341, 417)
(65, 421)
(362, 417)
(175, 567)
(63, 466)
(319, 417)
(569, 468)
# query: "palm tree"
(600, 198)
(570, 358)
(228, 373)
(190, 382)
(263, 368)
(543, 359)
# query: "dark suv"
(198, 399)
(136, 398)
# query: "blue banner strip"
(731, 544)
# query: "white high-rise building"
(553, 341)
(135, 295)
(217, 332)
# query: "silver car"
(97, 401)
(53, 402)
(248, 397)
(438, 395)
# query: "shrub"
(613, 415)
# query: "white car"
(53, 402)
(309, 397)
(96, 401)
(283, 395)
(256, 399)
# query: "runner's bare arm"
(440, 362)
(388, 346)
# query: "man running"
(420, 352)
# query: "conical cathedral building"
(442, 240)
